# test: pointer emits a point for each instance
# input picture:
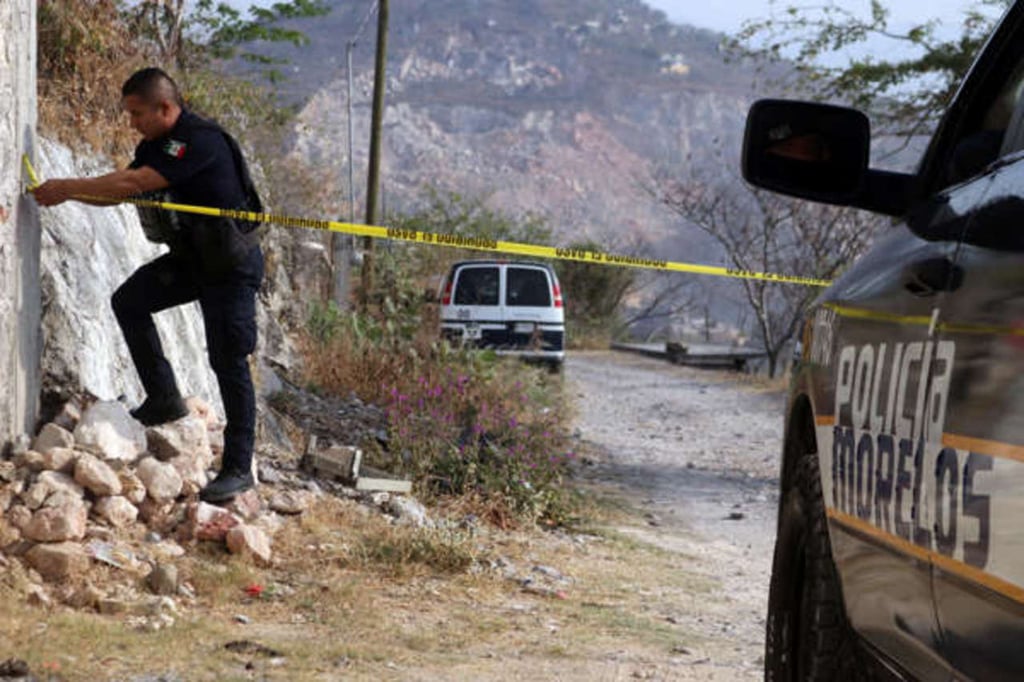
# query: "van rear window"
(477, 286)
(528, 287)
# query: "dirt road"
(698, 450)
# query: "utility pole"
(342, 245)
(351, 176)
(376, 121)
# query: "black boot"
(228, 484)
(154, 412)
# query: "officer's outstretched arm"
(102, 190)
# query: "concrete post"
(20, 344)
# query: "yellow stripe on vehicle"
(464, 242)
(945, 563)
(922, 321)
(992, 448)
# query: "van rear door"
(533, 307)
(476, 300)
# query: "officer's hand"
(52, 192)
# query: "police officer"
(217, 261)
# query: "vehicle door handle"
(932, 275)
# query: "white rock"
(97, 476)
(209, 522)
(57, 561)
(192, 469)
(216, 436)
(162, 480)
(52, 436)
(56, 481)
(168, 549)
(58, 523)
(269, 522)
(8, 470)
(19, 515)
(85, 255)
(250, 541)
(63, 498)
(202, 409)
(116, 510)
(161, 517)
(186, 437)
(30, 460)
(408, 510)
(289, 501)
(7, 496)
(132, 487)
(110, 432)
(69, 416)
(60, 459)
(248, 505)
(34, 497)
(37, 596)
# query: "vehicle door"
(977, 503)
(874, 358)
(477, 304)
(529, 305)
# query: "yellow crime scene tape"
(463, 242)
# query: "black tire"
(808, 636)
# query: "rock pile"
(95, 486)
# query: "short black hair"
(152, 84)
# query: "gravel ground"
(698, 451)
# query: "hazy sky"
(728, 15)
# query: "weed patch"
(462, 423)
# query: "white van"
(513, 308)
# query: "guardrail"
(697, 355)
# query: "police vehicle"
(900, 547)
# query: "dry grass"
(334, 610)
(85, 54)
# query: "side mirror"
(807, 150)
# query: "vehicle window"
(477, 286)
(988, 119)
(528, 287)
(1013, 100)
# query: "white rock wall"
(19, 227)
(87, 252)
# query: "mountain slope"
(564, 108)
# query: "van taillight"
(447, 298)
(556, 294)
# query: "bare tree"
(613, 299)
(766, 232)
(662, 296)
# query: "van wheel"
(808, 637)
(554, 367)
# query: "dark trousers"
(229, 316)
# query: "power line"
(363, 23)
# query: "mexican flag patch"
(175, 148)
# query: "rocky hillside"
(565, 108)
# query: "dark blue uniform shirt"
(197, 162)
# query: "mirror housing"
(807, 150)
